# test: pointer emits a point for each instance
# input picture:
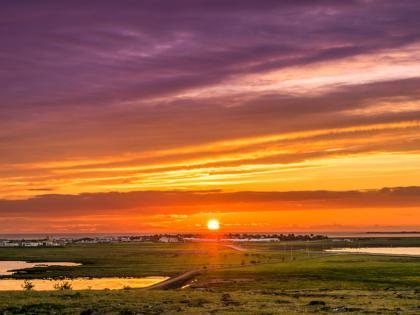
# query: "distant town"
(156, 238)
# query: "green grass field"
(270, 278)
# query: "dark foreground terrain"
(270, 278)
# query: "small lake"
(82, 283)
(9, 267)
(406, 251)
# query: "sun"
(213, 225)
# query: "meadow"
(265, 278)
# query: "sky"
(155, 116)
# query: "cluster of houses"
(62, 241)
(162, 238)
(248, 237)
(165, 238)
(30, 243)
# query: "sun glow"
(213, 225)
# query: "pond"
(82, 283)
(406, 251)
(10, 267)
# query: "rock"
(316, 302)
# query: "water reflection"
(10, 267)
(410, 251)
(82, 283)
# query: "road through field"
(175, 282)
(235, 247)
(183, 278)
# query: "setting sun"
(213, 225)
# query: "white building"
(168, 239)
(8, 244)
(31, 244)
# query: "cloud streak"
(163, 202)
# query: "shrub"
(66, 285)
(28, 285)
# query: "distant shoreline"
(397, 232)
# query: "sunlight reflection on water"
(410, 251)
(82, 283)
(8, 267)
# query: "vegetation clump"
(28, 285)
(63, 286)
(228, 301)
